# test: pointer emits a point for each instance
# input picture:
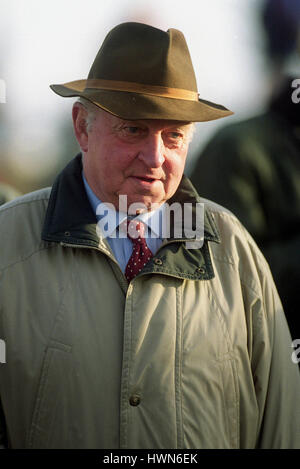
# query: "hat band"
(153, 90)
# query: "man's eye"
(175, 135)
(132, 130)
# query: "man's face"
(143, 159)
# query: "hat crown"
(139, 53)
(142, 72)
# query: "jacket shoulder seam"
(14, 204)
(250, 243)
(247, 285)
(25, 257)
(224, 211)
(242, 277)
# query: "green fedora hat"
(141, 72)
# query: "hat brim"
(134, 106)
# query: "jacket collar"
(70, 220)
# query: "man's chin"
(136, 207)
(138, 203)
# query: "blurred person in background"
(253, 167)
(7, 193)
(138, 341)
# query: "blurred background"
(56, 41)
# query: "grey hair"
(91, 109)
(191, 132)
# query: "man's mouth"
(146, 178)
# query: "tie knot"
(135, 230)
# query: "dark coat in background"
(253, 169)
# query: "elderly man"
(145, 340)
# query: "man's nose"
(152, 151)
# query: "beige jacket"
(194, 353)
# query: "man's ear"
(79, 114)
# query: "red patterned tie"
(140, 251)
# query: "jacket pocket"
(52, 386)
(229, 378)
